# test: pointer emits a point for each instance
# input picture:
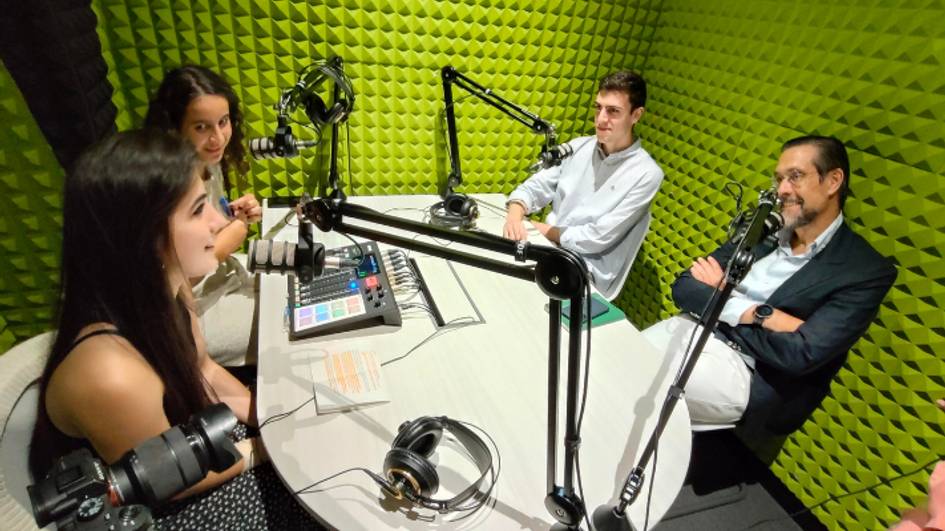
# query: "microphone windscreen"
(263, 148)
(271, 255)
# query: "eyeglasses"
(793, 177)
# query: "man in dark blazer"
(808, 298)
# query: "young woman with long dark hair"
(200, 105)
(129, 360)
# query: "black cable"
(580, 420)
(679, 370)
(734, 190)
(495, 471)
(441, 243)
(577, 470)
(490, 206)
(881, 483)
(417, 306)
(348, 168)
(587, 359)
(280, 416)
(448, 327)
(361, 254)
(405, 209)
(305, 489)
(649, 492)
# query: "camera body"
(83, 499)
(80, 492)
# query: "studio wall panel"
(730, 81)
(30, 227)
(545, 56)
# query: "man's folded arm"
(830, 330)
(691, 295)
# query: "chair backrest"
(636, 236)
(20, 367)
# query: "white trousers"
(718, 388)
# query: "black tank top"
(56, 443)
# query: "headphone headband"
(315, 75)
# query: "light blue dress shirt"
(767, 274)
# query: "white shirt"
(767, 274)
(215, 191)
(596, 200)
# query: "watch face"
(764, 310)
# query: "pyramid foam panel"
(545, 56)
(31, 225)
(729, 82)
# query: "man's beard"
(804, 217)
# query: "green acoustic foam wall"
(545, 56)
(31, 225)
(728, 83)
(7, 339)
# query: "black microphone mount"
(282, 144)
(532, 121)
(303, 95)
(764, 221)
(559, 273)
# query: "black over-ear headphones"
(409, 474)
(455, 210)
(315, 108)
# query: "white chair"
(20, 367)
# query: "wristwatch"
(762, 312)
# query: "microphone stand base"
(605, 519)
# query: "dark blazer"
(837, 294)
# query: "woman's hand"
(247, 209)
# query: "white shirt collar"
(618, 155)
(818, 244)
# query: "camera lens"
(165, 465)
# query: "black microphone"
(550, 157)
(305, 259)
(271, 147)
(764, 223)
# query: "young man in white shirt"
(601, 193)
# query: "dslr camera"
(81, 492)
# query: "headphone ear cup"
(400, 463)
(470, 210)
(420, 436)
(453, 204)
(339, 111)
(316, 110)
(460, 205)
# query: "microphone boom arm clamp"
(452, 77)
